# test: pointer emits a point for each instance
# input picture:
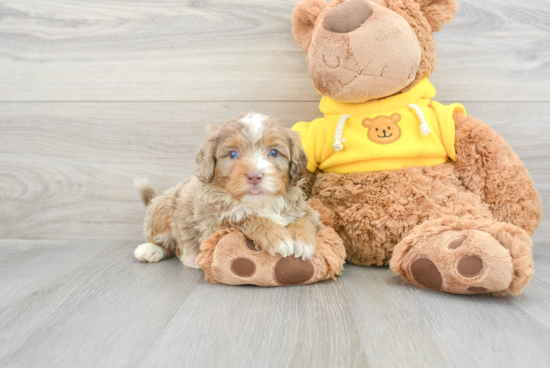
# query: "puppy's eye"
(376, 129)
(273, 153)
(233, 155)
(388, 128)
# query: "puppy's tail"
(147, 193)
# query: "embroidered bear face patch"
(383, 129)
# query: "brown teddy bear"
(404, 180)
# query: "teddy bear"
(404, 180)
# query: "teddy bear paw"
(237, 260)
(461, 262)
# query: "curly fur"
(489, 168)
(331, 249)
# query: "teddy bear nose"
(348, 16)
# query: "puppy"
(245, 178)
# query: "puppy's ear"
(304, 17)
(438, 12)
(206, 157)
(298, 158)
(212, 130)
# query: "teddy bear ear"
(396, 118)
(367, 123)
(304, 17)
(438, 12)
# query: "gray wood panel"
(67, 169)
(242, 50)
(91, 304)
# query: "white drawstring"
(424, 128)
(338, 146)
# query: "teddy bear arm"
(489, 167)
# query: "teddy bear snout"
(348, 16)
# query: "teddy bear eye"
(376, 129)
(233, 155)
(388, 128)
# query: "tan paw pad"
(470, 266)
(293, 271)
(425, 273)
(454, 244)
(243, 267)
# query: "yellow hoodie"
(404, 130)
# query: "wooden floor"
(90, 304)
(94, 94)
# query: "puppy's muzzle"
(254, 177)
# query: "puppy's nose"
(254, 177)
(348, 16)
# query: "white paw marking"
(190, 260)
(305, 251)
(284, 248)
(298, 249)
(309, 251)
(149, 252)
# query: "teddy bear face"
(360, 50)
(383, 129)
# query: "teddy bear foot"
(469, 261)
(228, 257)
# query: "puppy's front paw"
(149, 252)
(283, 247)
(190, 259)
(305, 239)
(277, 241)
(304, 249)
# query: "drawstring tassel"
(424, 128)
(338, 146)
